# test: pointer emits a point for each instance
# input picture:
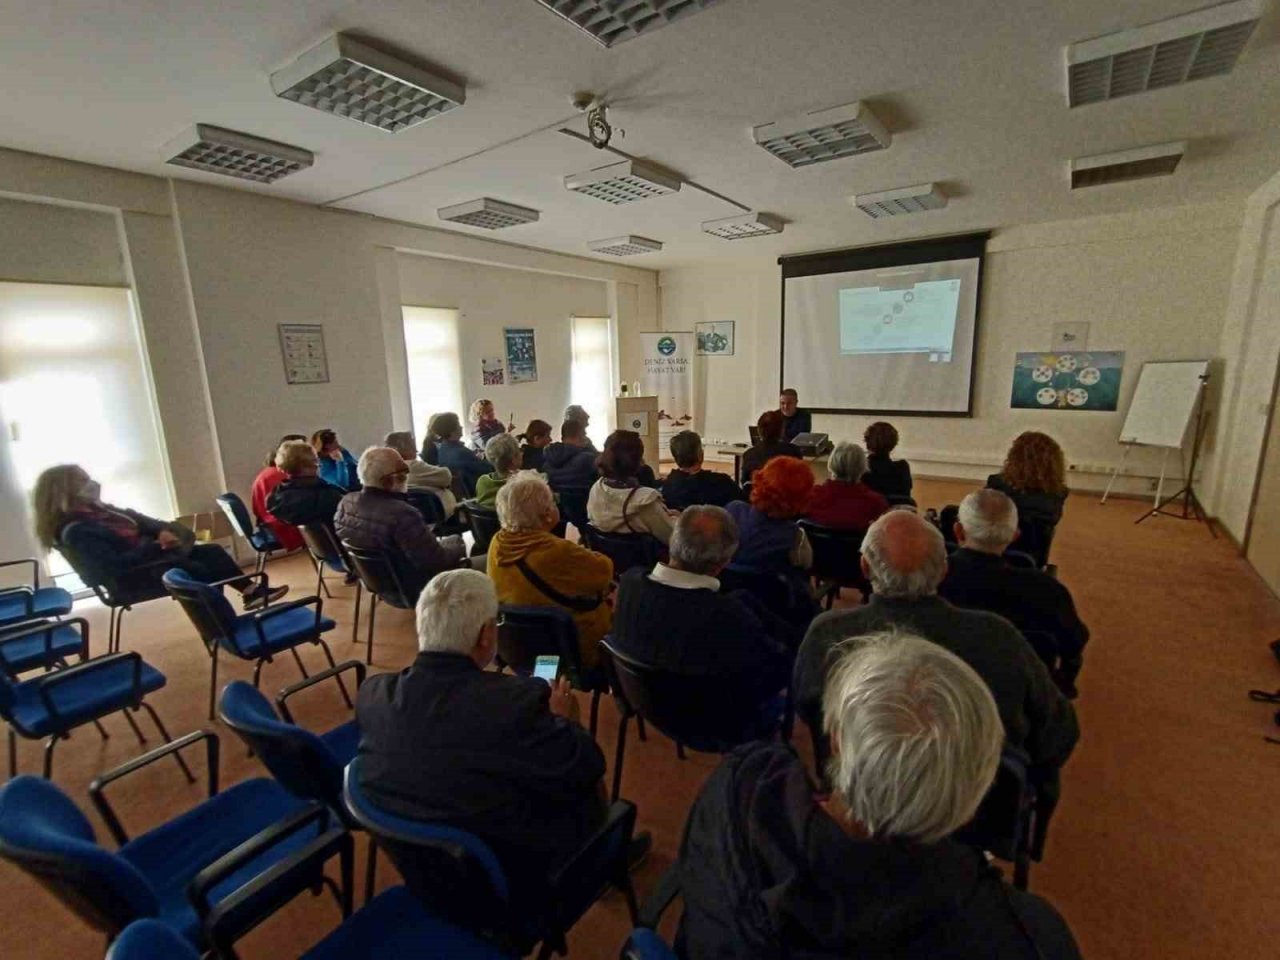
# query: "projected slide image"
(916, 319)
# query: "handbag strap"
(580, 604)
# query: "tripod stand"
(1192, 509)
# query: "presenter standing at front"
(795, 420)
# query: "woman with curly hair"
(485, 425)
(1034, 476)
(886, 476)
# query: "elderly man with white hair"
(979, 577)
(770, 868)
(844, 502)
(380, 517)
(501, 756)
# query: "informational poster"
(493, 371)
(522, 354)
(668, 375)
(1067, 380)
(302, 345)
(715, 339)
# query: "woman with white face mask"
(110, 543)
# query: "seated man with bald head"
(980, 578)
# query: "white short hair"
(705, 537)
(916, 736)
(376, 464)
(524, 502)
(848, 462)
(989, 518)
(502, 451)
(887, 580)
(452, 610)
(575, 412)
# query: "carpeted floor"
(1165, 844)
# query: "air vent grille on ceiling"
(350, 79)
(743, 227)
(488, 214)
(903, 200)
(1204, 43)
(823, 135)
(629, 246)
(1159, 160)
(232, 154)
(623, 182)
(612, 21)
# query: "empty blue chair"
(255, 637)
(43, 645)
(27, 602)
(644, 944)
(174, 873)
(261, 538)
(327, 553)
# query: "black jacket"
(762, 453)
(766, 873)
(303, 500)
(888, 477)
(568, 466)
(799, 422)
(681, 489)
(531, 457)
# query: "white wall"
(1154, 285)
(42, 243)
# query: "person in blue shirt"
(337, 465)
(451, 452)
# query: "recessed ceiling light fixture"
(488, 214)
(901, 201)
(609, 22)
(1203, 43)
(743, 226)
(232, 154)
(1157, 160)
(350, 79)
(624, 182)
(823, 135)
(628, 246)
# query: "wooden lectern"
(641, 415)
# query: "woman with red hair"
(768, 538)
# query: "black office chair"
(427, 504)
(1005, 824)
(699, 712)
(837, 560)
(626, 550)
(327, 553)
(382, 577)
(121, 593)
(484, 525)
(573, 507)
(1036, 537)
(528, 632)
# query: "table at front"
(817, 464)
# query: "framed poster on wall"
(302, 346)
(715, 339)
(522, 354)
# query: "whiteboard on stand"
(1164, 402)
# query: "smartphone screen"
(545, 668)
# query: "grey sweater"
(1036, 716)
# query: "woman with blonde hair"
(485, 424)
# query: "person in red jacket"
(268, 478)
(844, 502)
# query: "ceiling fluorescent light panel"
(1203, 43)
(629, 246)
(823, 135)
(610, 22)
(232, 154)
(488, 214)
(901, 201)
(624, 182)
(1157, 160)
(744, 226)
(350, 79)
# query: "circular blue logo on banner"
(666, 346)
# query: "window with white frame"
(435, 364)
(591, 376)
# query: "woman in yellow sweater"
(531, 566)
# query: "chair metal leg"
(298, 660)
(373, 611)
(629, 891)
(164, 735)
(355, 620)
(644, 737)
(680, 751)
(142, 741)
(328, 655)
(102, 731)
(595, 713)
(213, 679)
(370, 869)
(618, 756)
(13, 754)
(320, 584)
(257, 671)
(48, 754)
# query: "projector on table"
(812, 444)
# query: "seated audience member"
(770, 868)
(688, 483)
(1035, 478)
(268, 478)
(571, 463)
(337, 465)
(794, 420)
(533, 444)
(618, 503)
(380, 517)
(111, 544)
(771, 445)
(578, 414)
(303, 498)
(844, 502)
(888, 477)
(423, 477)
(531, 566)
(452, 453)
(503, 452)
(498, 755)
(430, 452)
(979, 577)
(674, 617)
(904, 557)
(485, 425)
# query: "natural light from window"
(591, 380)
(435, 366)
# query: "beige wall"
(42, 243)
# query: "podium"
(641, 415)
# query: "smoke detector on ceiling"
(624, 182)
(628, 246)
(350, 79)
(823, 135)
(488, 214)
(610, 22)
(743, 226)
(232, 154)
(1157, 160)
(901, 201)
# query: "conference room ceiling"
(972, 92)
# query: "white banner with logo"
(668, 375)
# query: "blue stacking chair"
(43, 645)
(626, 550)
(327, 553)
(528, 632)
(1005, 824)
(30, 601)
(458, 876)
(644, 944)
(261, 538)
(53, 704)
(380, 572)
(174, 873)
(255, 637)
(483, 523)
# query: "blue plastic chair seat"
(343, 741)
(47, 602)
(395, 924)
(28, 653)
(91, 695)
(264, 541)
(172, 854)
(645, 944)
(282, 632)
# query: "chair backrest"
(526, 633)
(579, 882)
(237, 513)
(299, 760)
(573, 506)
(153, 940)
(1003, 818)
(626, 550)
(380, 574)
(484, 524)
(45, 835)
(1035, 538)
(837, 554)
(427, 504)
(208, 609)
(1020, 558)
(322, 543)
